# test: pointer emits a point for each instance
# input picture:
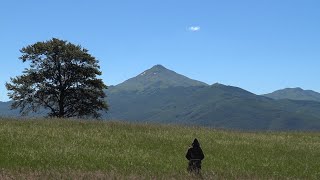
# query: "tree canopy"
(62, 78)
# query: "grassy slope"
(98, 149)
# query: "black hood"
(196, 143)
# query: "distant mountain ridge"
(164, 99)
(160, 95)
(217, 106)
(294, 94)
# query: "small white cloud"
(194, 28)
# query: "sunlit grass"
(71, 149)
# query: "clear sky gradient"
(260, 46)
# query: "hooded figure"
(195, 155)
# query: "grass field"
(69, 149)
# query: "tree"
(62, 78)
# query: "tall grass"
(71, 149)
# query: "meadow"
(81, 149)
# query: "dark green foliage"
(61, 78)
(295, 94)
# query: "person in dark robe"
(195, 156)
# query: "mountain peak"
(157, 77)
(295, 94)
(159, 66)
(293, 89)
(155, 70)
(158, 69)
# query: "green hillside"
(217, 105)
(42, 149)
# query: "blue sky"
(260, 46)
